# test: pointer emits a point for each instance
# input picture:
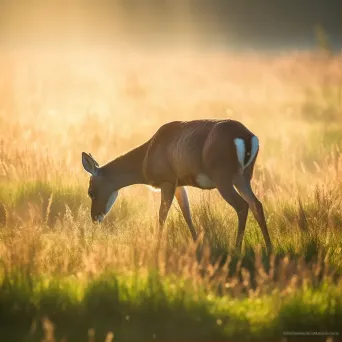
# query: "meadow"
(62, 278)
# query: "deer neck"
(127, 169)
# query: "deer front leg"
(183, 201)
(167, 195)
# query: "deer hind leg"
(243, 185)
(167, 195)
(227, 191)
(183, 201)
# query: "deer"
(205, 154)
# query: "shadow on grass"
(157, 308)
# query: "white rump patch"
(254, 149)
(240, 150)
(111, 201)
(204, 181)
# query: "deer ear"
(96, 163)
(89, 164)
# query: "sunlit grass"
(140, 308)
(56, 263)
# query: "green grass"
(56, 264)
(160, 308)
(107, 278)
(60, 272)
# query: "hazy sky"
(238, 23)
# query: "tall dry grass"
(55, 105)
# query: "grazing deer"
(206, 154)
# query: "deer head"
(100, 189)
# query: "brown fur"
(179, 151)
(174, 157)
